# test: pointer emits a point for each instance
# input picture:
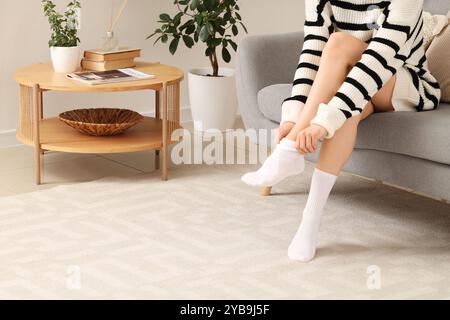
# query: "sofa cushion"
(271, 98)
(424, 135)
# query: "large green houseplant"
(215, 24)
(212, 22)
(64, 39)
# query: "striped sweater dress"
(393, 31)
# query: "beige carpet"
(205, 235)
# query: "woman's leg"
(340, 54)
(334, 154)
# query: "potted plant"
(214, 23)
(64, 40)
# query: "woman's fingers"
(309, 142)
(306, 142)
(283, 133)
(297, 143)
(314, 142)
(280, 134)
(277, 139)
(303, 143)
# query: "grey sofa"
(411, 150)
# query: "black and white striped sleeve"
(317, 30)
(379, 63)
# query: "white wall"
(24, 35)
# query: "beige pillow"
(432, 26)
(438, 55)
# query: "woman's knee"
(337, 44)
(343, 47)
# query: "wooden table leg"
(157, 160)
(266, 191)
(158, 104)
(41, 109)
(36, 121)
(41, 104)
(165, 146)
(157, 116)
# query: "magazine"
(113, 76)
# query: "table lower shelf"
(57, 136)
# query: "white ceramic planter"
(213, 99)
(65, 59)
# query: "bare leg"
(334, 154)
(341, 53)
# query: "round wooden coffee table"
(51, 134)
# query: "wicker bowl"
(101, 122)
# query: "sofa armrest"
(263, 61)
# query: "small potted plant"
(64, 40)
(214, 23)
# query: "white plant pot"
(65, 59)
(213, 99)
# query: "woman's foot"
(303, 246)
(284, 162)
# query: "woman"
(359, 57)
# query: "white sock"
(303, 246)
(284, 162)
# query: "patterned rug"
(205, 235)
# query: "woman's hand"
(283, 131)
(308, 139)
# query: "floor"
(206, 235)
(17, 167)
(207, 243)
(17, 171)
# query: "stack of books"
(99, 60)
